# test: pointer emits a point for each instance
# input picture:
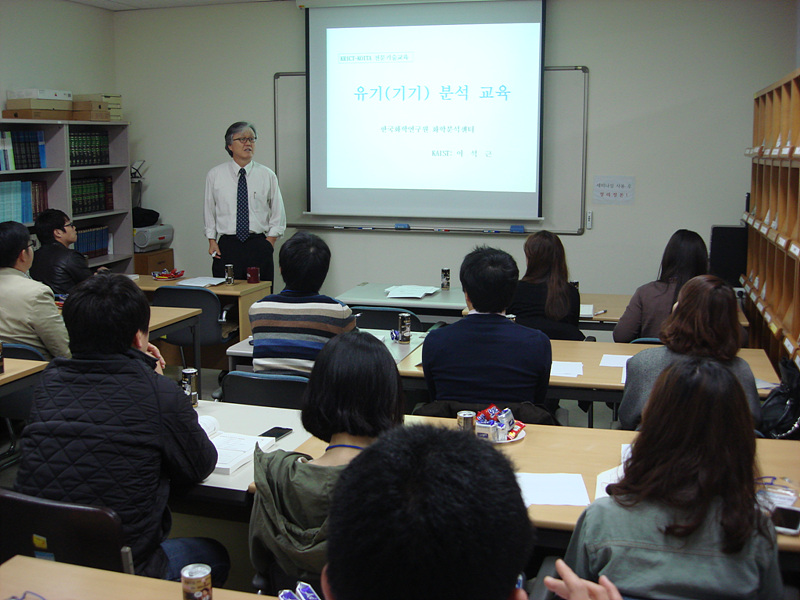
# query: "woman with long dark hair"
(704, 323)
(544, 298)
(683, 521)
(684, 257)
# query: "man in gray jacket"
(29, 314)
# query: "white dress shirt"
(266, 210)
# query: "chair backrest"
(647, 340)
(22, 351)
(209, 328)
(264, 389)
(383, 317)
(90, 536)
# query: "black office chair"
(213, 327)
(90, 536)
(278, 390)
(381, 317)
(17, 405)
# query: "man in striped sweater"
(290, 328)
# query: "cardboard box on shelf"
(89, 105)
(36, 104)
(27, 113)
(90, 115)
(41, 94)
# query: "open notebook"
(234, 450)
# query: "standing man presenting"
(244, 213)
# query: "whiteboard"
(564, 126)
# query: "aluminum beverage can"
(189, 384)
(404, 328)
(445, 279)
(196, 582)
(229, 274)
(466, 420)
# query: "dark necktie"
(242, 215)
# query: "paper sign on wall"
(613, 190)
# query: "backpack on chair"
(780, 413)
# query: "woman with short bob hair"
(704, 323)
(683, 521)
(544, 298)
(354, 394)
(685, 256)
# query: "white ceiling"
(142, 4)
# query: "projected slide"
(434, 107)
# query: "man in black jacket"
(107, 430)
(55, 264)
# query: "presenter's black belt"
(249, 237)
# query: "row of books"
(22, 200)
(92, 194)
(22, 150)
(88, 148)
(92, 241)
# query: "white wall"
(54, 44)
(671, 94)
(672, 83)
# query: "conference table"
(19, 374)
(60, 581)
(544, 449)
(243, 293)
(240, 354)
(449, 305)
(596, 383)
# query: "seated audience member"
(484, 357)
(107, 430)
(354, 394)
(704, 323)
(684, 257)
(55, 264)
(544, 298)
(414, 516)
(290, 328)
(683, 520)
(29, 314)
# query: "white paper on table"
(612, 475)
(765, 385)
(562, 368)
(587, 311)
(615, 360)
(410, 291)
(562, 489)
(202, 281)
(624, 374)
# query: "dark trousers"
(255, 251)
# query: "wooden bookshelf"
(60, 173)
(772, 280)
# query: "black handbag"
(780, 413)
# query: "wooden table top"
(595, 376)
(161, 316)
(588, 452)
(240, 287)
(17, 368)
(60, 581)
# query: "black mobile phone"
(277, 433)
(786, 520)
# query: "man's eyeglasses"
(70, 224)
(245, 140)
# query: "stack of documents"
(410, 291)
(202, 281)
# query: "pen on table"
(600, 312)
